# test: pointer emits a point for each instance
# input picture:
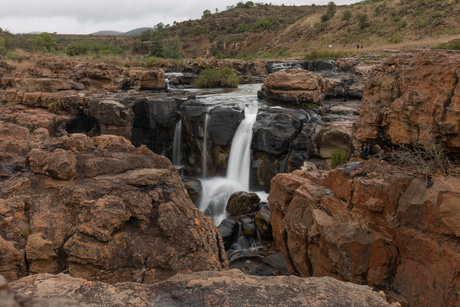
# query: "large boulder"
(294, 86)
(370, 223)
(147, 79)
(413, 100)
(100, 209)
(231, 288)
(241, 203)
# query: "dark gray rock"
(223, 123)
(271, 265)
(193, 187)
(320, 66)
(248, 226)
(241, 203)
(274, 130)
(228, 229)
(154, 123)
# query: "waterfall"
(204, 160)
(217, 191)
(177, 143)
(239, 161)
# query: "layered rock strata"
(413, 100)
(294, 86)
(369, 223)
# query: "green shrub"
(43, 42)
(453, 45)
(225, 77)
(400, 25)
(363, 21)
(339, 157)
(346, 15)
(264, 23)
(12, 55)
(80, 47)
(2, 45)
(197, 30)
(241, 28)
(395, 40)
(55, 107)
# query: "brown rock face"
(51, 75)
(294, 86)
(369, 223)
(231, 288)
(98, 208)
(413, 100)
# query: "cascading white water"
(239, 161)
(216, 191)
(177, 143)
(204, 160)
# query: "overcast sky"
(88, 16)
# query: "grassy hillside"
(281, 31)
(255, 30)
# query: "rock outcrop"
(369, 223)
(294, 86)
(281, 143)
(231, 288)
(51, 75)
(98, 208)
(413, 100)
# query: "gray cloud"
(86, 16)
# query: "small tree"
(331, 8)
(156, 48)
(172, 49)
(346, 16)
(206, 13)
(362, 21)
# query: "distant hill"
(107, 32)
(137, 31)
(132, 32)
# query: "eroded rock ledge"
(413, 100)
(231, 288)
(369, 223)
(98, 208)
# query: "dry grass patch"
(354, 220)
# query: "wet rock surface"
(241, 203)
